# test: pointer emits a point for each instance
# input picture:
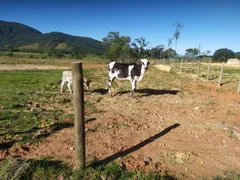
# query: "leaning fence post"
(221, 74)
(79, 126)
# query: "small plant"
(230, 112)
(212, 102)
(232, 135)
(228, 176)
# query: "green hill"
(16, 36)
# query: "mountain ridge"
(14, 35)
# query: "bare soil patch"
(191, 130)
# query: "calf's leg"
(69, 87)
(62, 84)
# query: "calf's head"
(145, 63)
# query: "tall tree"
(169, 53)
(177, 33)
(157, 51)
(139, 44)
(118, 46)
(192, 52)
(169, 45)
(208, 52)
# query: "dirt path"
(193, 134)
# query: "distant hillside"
(24, 38)
(237, 54)
(15, 34)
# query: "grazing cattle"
(67, 77)
(133, 72)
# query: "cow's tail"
(59, 81)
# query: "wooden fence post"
(209, 69)
(238, 90)
(79, 125)
(198, 71)
(181, 65)
(192, 66)
(185, 66)
(221, 74)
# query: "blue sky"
(213, 24)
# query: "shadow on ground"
(136, 147)
(149, 92)
(145, 92)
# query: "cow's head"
(145, 63)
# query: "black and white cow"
(133, 72)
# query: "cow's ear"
(150, 62)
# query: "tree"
(192, 52)
(223, 54)
(177, 33)
(157, 51)
(208, 52)
(169, 45)
(169, 53)
(139, 44)
(76, 53)
(51, 51)
(118, 46)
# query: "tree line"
(113, 47)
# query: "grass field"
(42, 59)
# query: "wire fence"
(205, 70)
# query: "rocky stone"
(147, 160)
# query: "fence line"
(195, 66)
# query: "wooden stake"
(209, 69)
(79, 124)
(181, 65)
(238, 90)
(221, 74)
(198, 72)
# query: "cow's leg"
(69, 87)
(133, 87)
(62, 84)
(110, 81)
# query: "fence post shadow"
(134, 148)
